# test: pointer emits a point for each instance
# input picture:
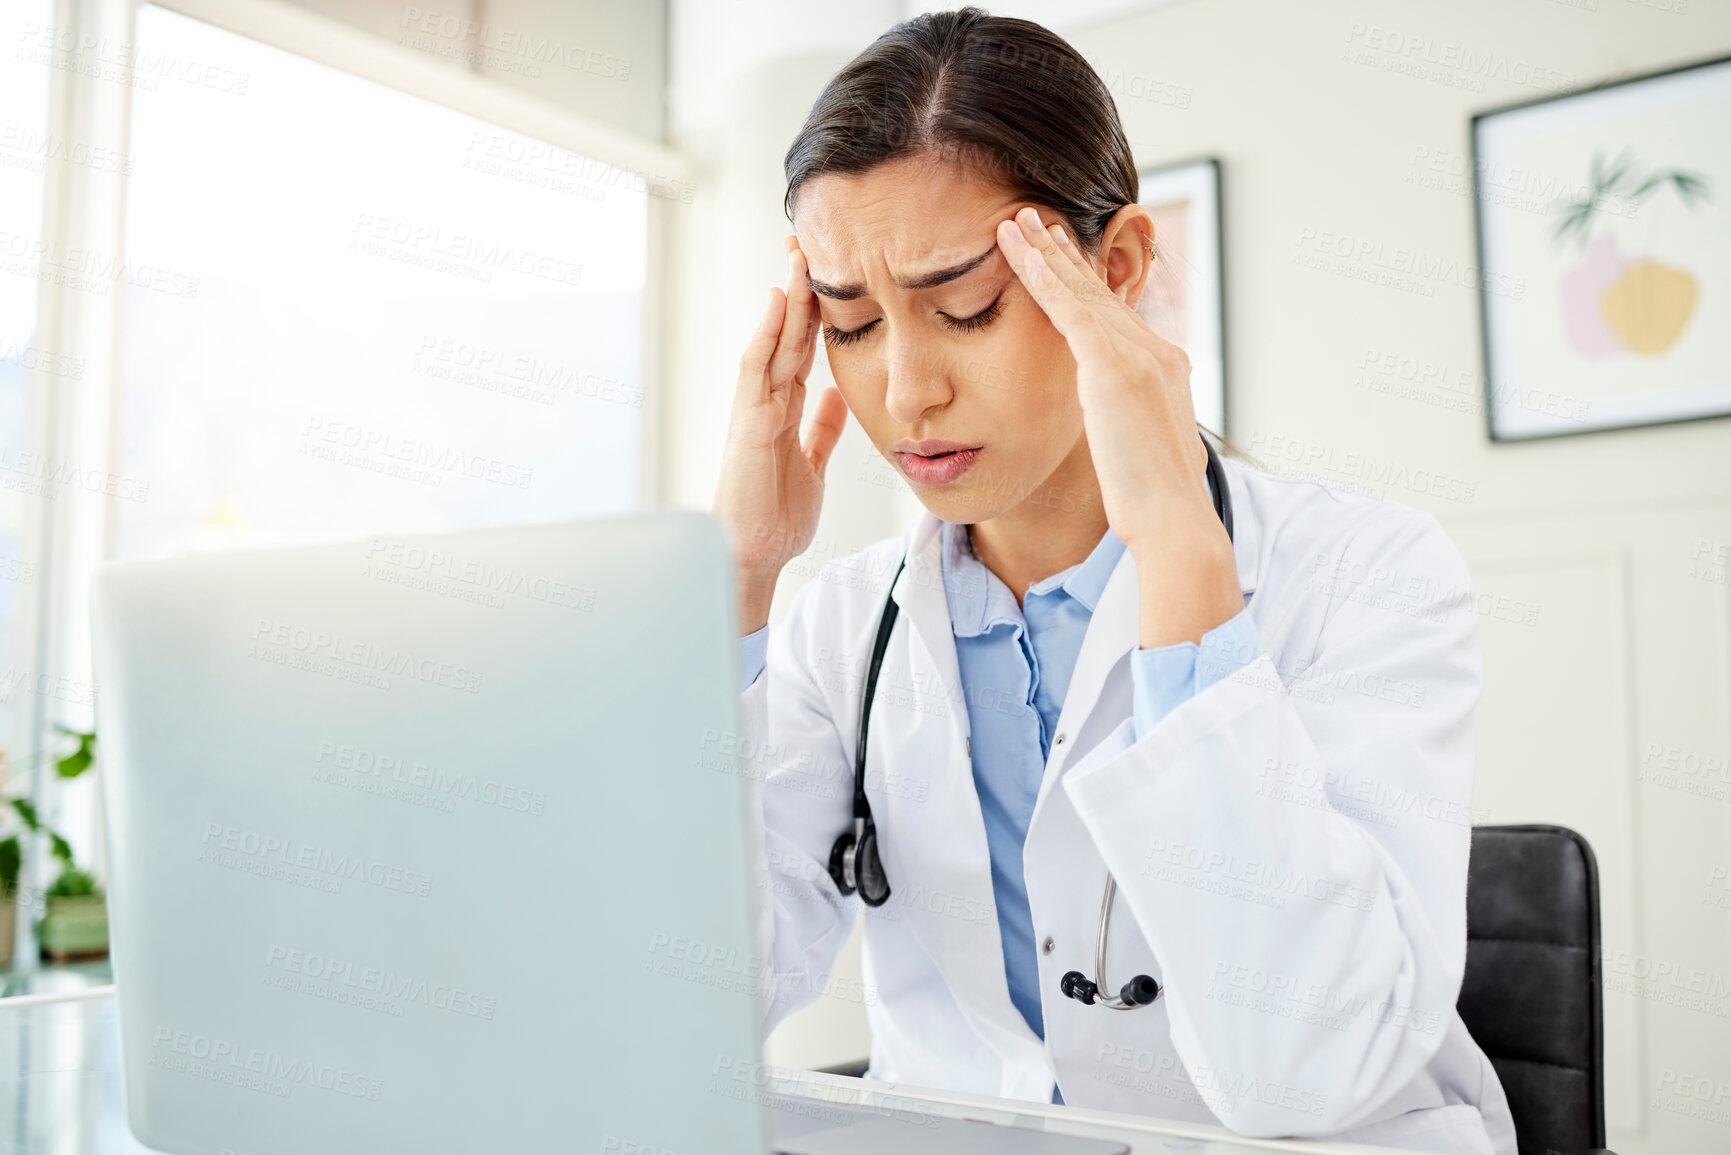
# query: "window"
(26, 150)
(282, 301)
(350, 309)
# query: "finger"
(1125, 319)
(827, 423)
(796, 335)
(753, 383)
(811, 344)
(1067, 245)
(1068, 313)
(1082, 281)
(812, 320)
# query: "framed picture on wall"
(1604, 233)
(1184, 299)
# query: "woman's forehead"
(875, 224)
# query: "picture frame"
(1184, 298)
(1603, 241)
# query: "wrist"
(1187, 586)
(755, 597)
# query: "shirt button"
(1048, 945)
(1059, 741)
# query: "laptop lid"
(430, 843)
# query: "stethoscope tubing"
(845, 866)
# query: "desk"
(61, 1093)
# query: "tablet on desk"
(933, 1136)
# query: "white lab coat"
(1290, 844)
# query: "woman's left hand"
(1134, 387)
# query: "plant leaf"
(76, 762)
(27, 813)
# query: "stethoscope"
(854, 863)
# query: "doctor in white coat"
(1263, 736)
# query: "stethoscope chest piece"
(854, 863)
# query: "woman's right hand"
(771, 487)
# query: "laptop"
(436, 843)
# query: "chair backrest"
(1531, 992)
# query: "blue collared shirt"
(1015, 664)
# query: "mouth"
(936, 462)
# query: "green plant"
(1622, 180)
(74, 883)
(69, 765)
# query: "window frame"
(75, 532)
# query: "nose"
(917, 382)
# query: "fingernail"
(1058, 235)
(1016, 231)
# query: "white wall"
(1630, 647)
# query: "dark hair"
(1007, 98)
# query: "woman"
(1262, 730)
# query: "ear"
(1125, 253)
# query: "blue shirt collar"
(978, 600)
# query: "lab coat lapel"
(946, 885)
(1115, 630)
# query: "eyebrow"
(923, 281)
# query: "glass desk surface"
(62, 1092)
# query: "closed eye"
(837, 336)
(978, 321)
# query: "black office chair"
(1531, 993)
